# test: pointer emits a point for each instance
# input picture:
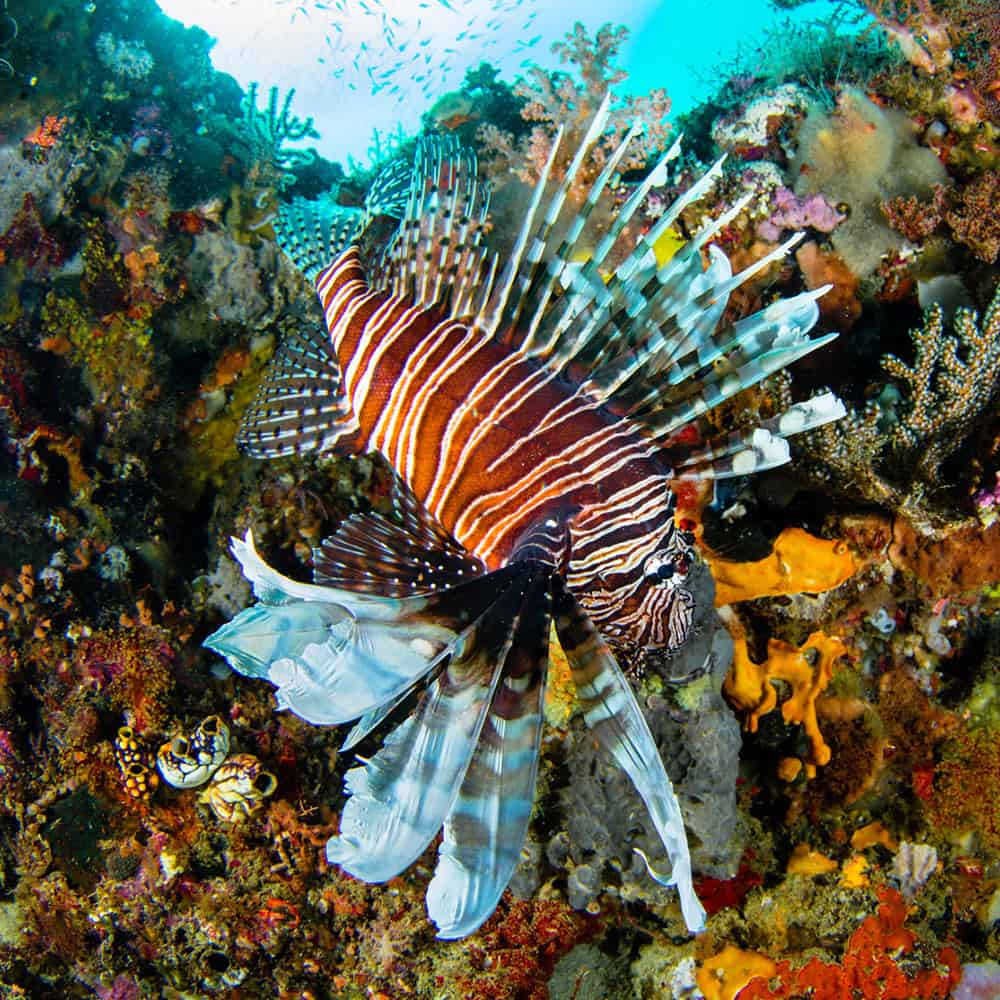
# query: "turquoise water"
(341, 60)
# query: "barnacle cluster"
(236, 785)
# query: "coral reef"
(894, 456)
(832, 732)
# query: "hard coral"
(892, 451)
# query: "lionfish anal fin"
(300, 406)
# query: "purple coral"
(980, 981)
(789, 211)
(149, 137)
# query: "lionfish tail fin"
(300, 406)
(612, 713)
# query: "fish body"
(533, 415)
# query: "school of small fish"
(392, 46)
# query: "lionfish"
(534, 416)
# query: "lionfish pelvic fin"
(466, 759)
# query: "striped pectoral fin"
(486, 828)
(741, 453)
(400, 798)
(300, 407)
(336, 655)
(611, 711)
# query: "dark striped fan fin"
(437, 257)
(314, 232)
(403, 555)
(299, 407)
(371, 554)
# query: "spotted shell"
(187, 762)
(238, 788)
(138, 777)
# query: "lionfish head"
(656, 616)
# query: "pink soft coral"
(560, 99)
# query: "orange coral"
(805, 861)
(840, 306)
(46, 134)
(723, 976)
(807, 669)
(869, 969)
(799, 563)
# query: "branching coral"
(894, 459)
(972, 215)
(558, 99)
(267, 132)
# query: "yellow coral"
(724, 975)
(808, 862)
(853, 875)
(799, 563)
(807, 669)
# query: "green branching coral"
(267, 132)
(894, 458)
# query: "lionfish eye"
(665, 572)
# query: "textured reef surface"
(832, 727)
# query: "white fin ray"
(400, 797)
(611, 712)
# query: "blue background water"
(336, 52)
